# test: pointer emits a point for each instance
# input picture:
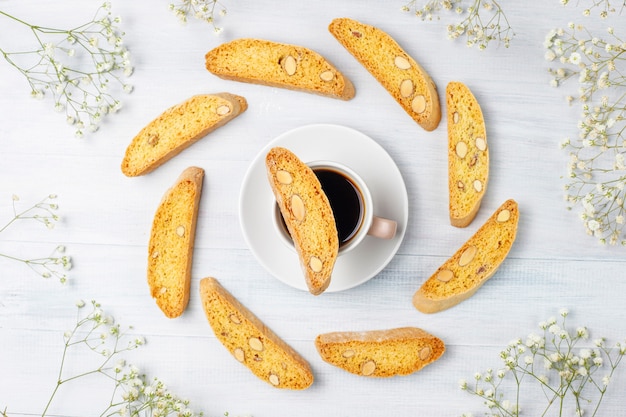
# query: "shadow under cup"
(347, 203)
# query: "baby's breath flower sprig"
(483, 21)
(143, 397)
(96, 332)
(596, 168)
(572, 373)
(132, 393)
(45, 211)
(80, 67)
(604, 6)
(205, 10)
(431, 8)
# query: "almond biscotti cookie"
(473, 264)
(380, 353)
(250, 341)
(468, 154)
(307, 214)
(408, 83)
(178, 128)
(276, 64)
(170, 251)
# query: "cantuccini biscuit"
(380, 353)
(307, 214)
(177, 128)
(468, 154)
(407, 82)
(251, 342)
(472, 264)
(275, 64)
(170, 250)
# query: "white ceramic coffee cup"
(368, 224)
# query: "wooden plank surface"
(106, 217)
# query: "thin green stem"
(77, 91)
(15, 18)
(59, 375)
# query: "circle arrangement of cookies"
(310, 217)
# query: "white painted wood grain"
(107, 216)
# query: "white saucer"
(357, 151)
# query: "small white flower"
(593, 225)
(119, 366)
(37, 94)
(48, 49)
(506, 404)
(574, 58)
(515, 342)
(547, 363)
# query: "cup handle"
(383, 228)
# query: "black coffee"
(345, 201)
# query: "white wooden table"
(107, 216)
